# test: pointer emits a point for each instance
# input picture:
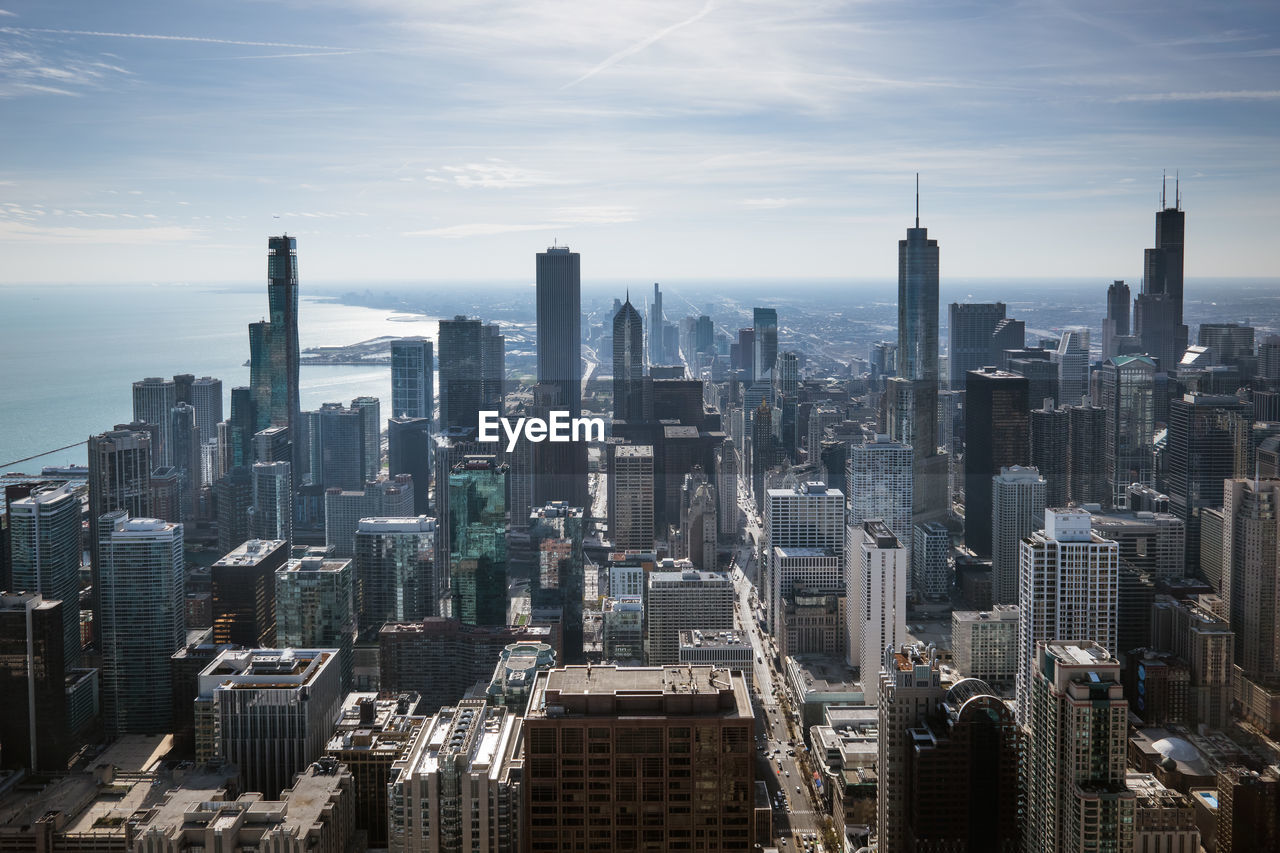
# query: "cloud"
(642, 44)
(474, 229)
(1227, 95)
(18, 232)
(594, 215)
(26, 71)
(769, 203)
(498, 174)
(560, 218)
(154, 37)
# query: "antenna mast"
(917, 199)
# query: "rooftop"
(640, 691)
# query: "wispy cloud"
(560, 218)
(20, 232)
(1231, 95)
(25, 71)
(633, 49)
(474, 229)
(498, 174)
(157, 37)
(769, 203)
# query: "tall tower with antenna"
(1158, 312)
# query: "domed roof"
(1181, 751)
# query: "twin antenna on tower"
(1177, 192)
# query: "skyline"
(401, 141)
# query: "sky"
(407, 140)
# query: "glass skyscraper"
(918, 305)
(628, 363)
(559, 324)
(282, 297)
(44, 537)
(412, 363)
(478, 541)
(460, 373)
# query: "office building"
(720, 649)
(185, 445)
(142, 619)
(518, 665)
(700, 529)
(997, 435)
(1087, 480)
(206, 399)
(412, 366)
(272, 514)
(1115, 326)
(984, 644)
(657, 326)
(478, 541)
(909, 688)
(971, 327)
(153, 400)
(1207, 444)
(44, 551)
(793, 568)
(1018, 504)
(282, 296)
(1127, 390)
(1072, 360)
(918, 304)
(1077, 799)
(271, 711)
(807, 516)
(559, 335)
(1050, 451)
(764, 345)
(119, 478)
(457, 785)
(621, 717)
(1069, 590)
(33, 703)
(684, 599)
(878, 600)
(1158, 309)
(243, 586)
(558, 582)
(394, 572)
(880, 484)
(631, 498)
(315, 608)
(727, 510)
(1232, 343)
(409, 451)
(1203, 639)
(628, 363)
(1248, 802)
(339, 447)
(493, 367)
(381, 499)
(233, 496)
(930, 566)
(622, 631)
(1250, 579)
(370, 435)
(461, 373)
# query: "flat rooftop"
(694, 690)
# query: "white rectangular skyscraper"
(877, 602)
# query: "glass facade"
(478, 541)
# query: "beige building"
(984, 644)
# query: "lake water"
(70, 353)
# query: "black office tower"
(559, 336)
(282, 298)
(33, 703)
(997, 435)
(458, 348)
(1086, 455)
(1208, 443)
(1050, 442)
(1158, 310)
(628, 363)
(409, 452)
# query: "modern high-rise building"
(1207, 444)
(44, 543)
(272, 514)
(984, 644)
(930, 570)
(877, 595)
(339, 437)
(764, 352)
(558, 582)
(457, 784)
(381, 499)
(1050, 452)
(680, 600)
(243, 586)
(119, 478)
(623, 718)
(908, 689)
(478, 541)
(371, 435)
(1232, 343)
(911, 417)
(461, 373)
(493, 367)
(142, 621)
(409, 451)
(1072, 359)
(1087, 480)
(270, 711)
(879, 475)
(33, 699)
(997, 435)
(1077, 722)
(153, 399)
(1158, 310)
(282, 298)
(394, 572)
(1128, 396)
(1069, 580)
(918, 304)
(631, 497)
(412, 390)
(1251, 572)
(184, 450)
(315, 607)
(727, 490)
(656, 328)
(206, 399)
(807, 523)
(1017, 509)
(559, 323)
(1116, 324)
(971, 325)
(628, 363)
(233, 497)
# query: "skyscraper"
(243, 584)
(765, 345)
(877, 600)
(680, 599)
(656, 328)
(1072, 359)
(1128, 395)
(44, 540)
(1050, 451)
(997, 435)
(631, 498)
(628, 363)
(971, 326)
(460, 373)
(315, 607)
(880, 485)
(33, 701)
(805, 545)
(1018, 503)
(558, 582)
(409, 448)
(184, 451)
(909, 688)
(412, 365)
(119, 478)
(478, 541)
(727, 490)
(1077, 799)
(272, 514)
(918, 303)
(282, 298)
(1087, 456)
(559, 336)
(1069, 590)
(1207, 444)
(153, 399)
(371, 434)
(394, 572)
(142, 621)
(1251, 573)
(493, 367)
(1116, 324)
(206, 399)
(1158, 320)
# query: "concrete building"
(458, 785)
(814, 622)
(680, 600)
(271, 711)
(370, 736)
(1069, 591)
(315, 608)
(1077, 799)
(343, 509)
(794, 568)
(631, 497)
(1164, 819)
(1017, 509)
(879, 479)
(984, 644)
(243, 585)
(721, 649)
(518, 665)
(877, 590)
(1201, 637)
(909, 688)
(930, 566)
(808, 515)
(1251, 572)
(727, 509)
(611, 722)
(142, 620)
